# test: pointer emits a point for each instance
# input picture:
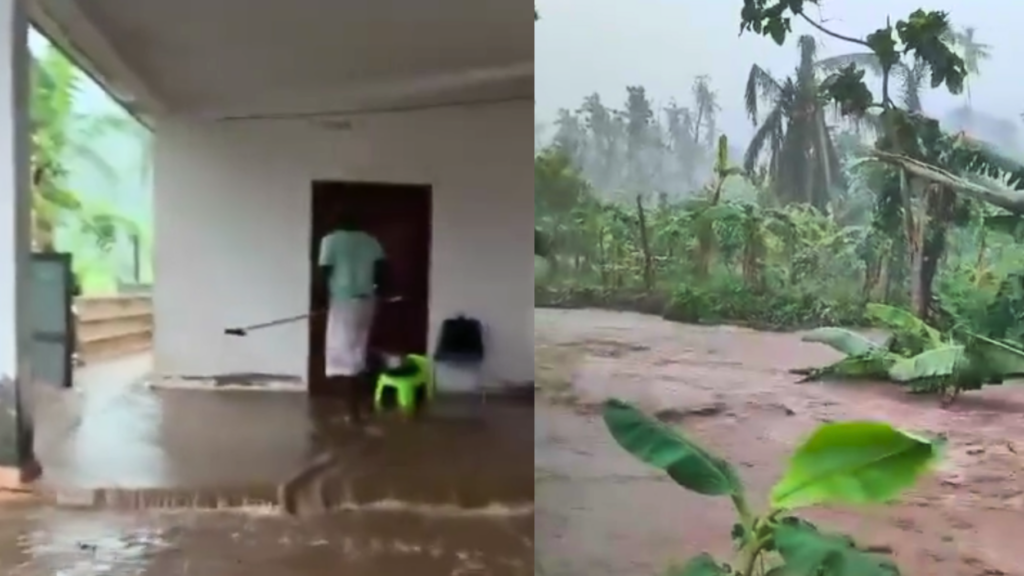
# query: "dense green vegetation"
(63, 137)
(842, 198)
(848, 207)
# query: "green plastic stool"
(405, 387)
(427, 370)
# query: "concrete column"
(16, 454)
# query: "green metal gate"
(52, 321)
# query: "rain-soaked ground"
(600, 513)
(187, 482)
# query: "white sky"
(583, 46)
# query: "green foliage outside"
(66, 142)
(842, 198)
(840, 463)
(918, 356)
(847, 208)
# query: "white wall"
(232, 202)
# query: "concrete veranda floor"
(112, 432)
(120, 437)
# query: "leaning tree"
(925, 191)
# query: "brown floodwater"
(140, 481)
(450, 495)
(37, 541)
(601, 513)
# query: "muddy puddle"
(599, 513)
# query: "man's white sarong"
(348, 333)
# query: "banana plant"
(917, 356)
(852, 463)
(706, 217)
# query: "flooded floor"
(48, 542)
(188, 482)
(600, 513)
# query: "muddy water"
(48, 542)
(449, 493)
(599, 513)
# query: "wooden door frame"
(317, 300)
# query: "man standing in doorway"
(354, 267)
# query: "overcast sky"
(585, 46)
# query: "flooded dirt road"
(600, 513)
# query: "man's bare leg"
(363, 400)
(348, 387)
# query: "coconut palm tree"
(972, 51)
(793, 137)
(706, 102)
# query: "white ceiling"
(248, 58)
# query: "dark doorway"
(399, 216)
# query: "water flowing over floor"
(600, 513)
(44, 542)
(173, 482)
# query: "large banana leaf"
(854, 462)
(910, 334)
(996, 359)
(842, 340)
(936, 363)
(874, 366)
(658, 445)
(807, 551)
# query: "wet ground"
(47, 542)
(187, 482)
(600, 513)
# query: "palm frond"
(866, 60)
(769, 131)
(982, 158)
(1011, 200)
(761, 85)
(808, 47)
